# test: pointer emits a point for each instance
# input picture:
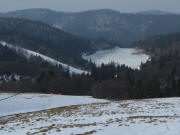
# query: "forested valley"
(159, 77)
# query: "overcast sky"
(81, 5)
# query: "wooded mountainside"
(13, 62)
(108, 24)
(50, 41)
(157, 78)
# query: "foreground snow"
(130, 57)
(35, 102)
(29, 53)
(128, 117)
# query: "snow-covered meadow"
(20, 103)
(129, 56)
(88, 116)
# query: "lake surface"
(129, 56)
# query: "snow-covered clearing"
(28, 53)
(140, 117)
(35, 102)
(129, 56)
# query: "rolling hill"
(50, 41)
(105, 23)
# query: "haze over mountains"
(104, 23)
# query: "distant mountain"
(108, 24)
(49, 41)
(155, 12)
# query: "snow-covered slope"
(127, 117)
(34, 102)
(129, 56)
(29, 53)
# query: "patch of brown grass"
(88, 133)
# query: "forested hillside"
(50, 41)
(16, 69)
(104, 23)
(157, 43)
(159, 77)
(13, 62)
(19, 74)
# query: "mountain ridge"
(48, 40)
(155, 12)
(104, 23)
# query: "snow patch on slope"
(29, 53)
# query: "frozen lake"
(128, 56)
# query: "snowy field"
(34, 102)
(128, 117)
(127, 56)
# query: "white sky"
(81, 5)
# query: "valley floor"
(101, 117)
